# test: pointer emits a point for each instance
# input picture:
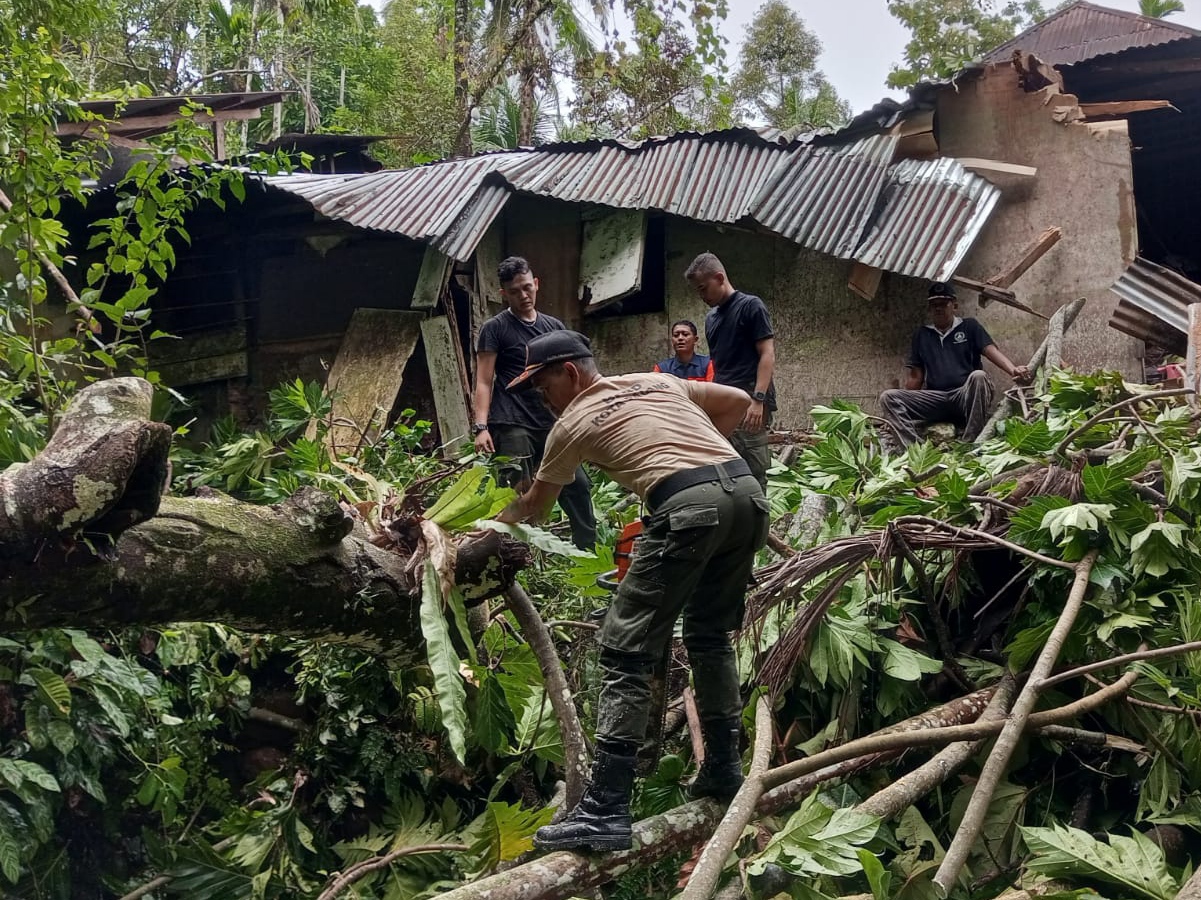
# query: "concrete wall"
(1084, 185)
(830, 343)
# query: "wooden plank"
(137, 124)
(995, 167)
(865, 280)
(487, 259)
(1192, 359)
(366, 375)
(431, 280)
(989, 292)
(1032, 254)
(1123, 107)
(611, 257)
(449, 402)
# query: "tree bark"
(87, 540)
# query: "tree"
(1159, 9)
(778, 81)
(945, 35)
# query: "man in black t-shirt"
(742, 345)
(946, 380)
(512, 423)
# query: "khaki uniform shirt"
(637, 428)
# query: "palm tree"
(1159, 9)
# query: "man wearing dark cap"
(663, 438)
(946, 380)
(512, 424)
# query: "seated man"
(687, 363)
(946, 381)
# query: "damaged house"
(1060, 165)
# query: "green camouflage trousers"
(696, 555)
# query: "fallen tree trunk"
(87, 540)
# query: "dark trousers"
(524, 447)
(753, 447)
(968, 406)
(695, 556)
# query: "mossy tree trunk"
(88, 541)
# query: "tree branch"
(537, 635)
(1137, 656)
(1015, 725)
(360, 869)
(742, 808)
(1121, 404)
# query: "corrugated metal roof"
(933, 212)
(827, 198)
(1153, 305)
(1084, 31)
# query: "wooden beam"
(1029, 257)
(135, 124)
(1123, 107)
(431, 280)
(989, 292)
(1192, 360)
(995, 167)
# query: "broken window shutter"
(431, 280)
(611, 257)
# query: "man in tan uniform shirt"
(664, 439)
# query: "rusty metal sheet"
(933, 212)
(1083, 31)
(848, 200)
(1153, 305)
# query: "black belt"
(673, 484)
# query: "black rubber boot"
(720, 775)
(601, 821)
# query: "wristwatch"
(759, 396)
(478, 427)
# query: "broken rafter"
(991, 292)
(988, 167)
(1123, 107)
(1032, 254)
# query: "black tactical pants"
(696, 555)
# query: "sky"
(860, 40)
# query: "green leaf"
(1134, 863)
(51, 687)
(906, 664)
(1157, 549)
(35, 774)
(535, 537)
(506, 832)
(819, 841)
(1064, 524)
(473, 496)
(494, 720)
(878, 878)
(10, 854)
(444, 663)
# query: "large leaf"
(535, 537)
(473, 496)
(51, 687)
(494, 720)
(444, 663)
(819, 841)
(1157, 549)
(507, 831)
(1134, 863)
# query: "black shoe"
(720, 775)
(601, 821)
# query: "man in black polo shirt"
(946, 380)
(515, 424)
(741, 342)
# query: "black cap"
(940, 290)
(547, 349)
